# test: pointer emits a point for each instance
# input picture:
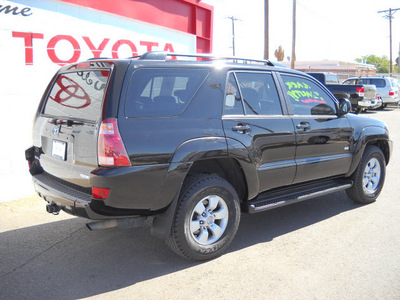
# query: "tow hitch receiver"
(52, 208)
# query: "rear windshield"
(162, 92)
(77, 95)
(331, 79)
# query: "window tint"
(379, 83)
(77, 95)
(257, 92)
(307, 98)
(233, 103)
(161, 92)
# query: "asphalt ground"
(325, 248)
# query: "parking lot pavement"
(325, 248)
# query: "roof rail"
(161, 55)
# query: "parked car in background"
(361, 96)
(386, 87)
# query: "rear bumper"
(390, 100)
(78, 203)
(68, 199)
(370, 103)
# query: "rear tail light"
(100, 193)
(360, 90)
(391, 93)
(111, 149)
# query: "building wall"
(39, 36)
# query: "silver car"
(386, 87)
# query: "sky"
(336, 30)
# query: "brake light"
(360, 90)
(100, 193)
(391, 93)
(111, 149)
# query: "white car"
(386, 87)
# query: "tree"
(381, 63)
(280, 53)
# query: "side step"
(274, 199)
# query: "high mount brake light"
(111, 149)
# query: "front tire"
(369, 176)
(206, 220)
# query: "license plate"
(59, 149)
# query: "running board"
(270, 200)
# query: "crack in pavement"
(42, 252)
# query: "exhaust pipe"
(122, 223)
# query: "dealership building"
(39, 36)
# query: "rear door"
(254, 116)
(322, 138)
(66, 127)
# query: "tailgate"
(369, 92)
(66, 128)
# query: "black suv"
(191, 143)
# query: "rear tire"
(206, 220)
(369, 176)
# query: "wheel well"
(227, 168)
(384, 146)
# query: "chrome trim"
(318, 159)
(300, 162)
(277, 165)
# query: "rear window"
(379, 83)
(331, 79)
(162, 92)
(77, 95)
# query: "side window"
(259, 93)
(162, 92)
(256, 92)
(307, 98)
(379, 83)
(233, 103)
(349, 82)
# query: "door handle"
(242, 128)
(303, 126)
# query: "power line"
(389, 15)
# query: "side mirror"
(344, 106)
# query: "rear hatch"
(66, 127)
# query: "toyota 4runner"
(191, 143)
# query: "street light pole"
(294, 36)
(266, 30)
(233, 33)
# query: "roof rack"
(162, 55)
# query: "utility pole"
(233, 33)
(294, 36)
(266, 30)
(390, 17)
